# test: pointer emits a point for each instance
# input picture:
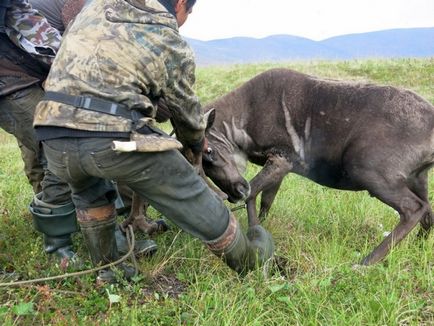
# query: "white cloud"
(314, 19)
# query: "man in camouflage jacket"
(118, 59)
(29, 39)
(28, 45)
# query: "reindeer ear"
(209, 117)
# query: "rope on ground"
(131, 243)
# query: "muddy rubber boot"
(241, 252)
(98, 227)
(56, 223)
(60, 246)
(141, 247)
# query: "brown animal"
(342, 135)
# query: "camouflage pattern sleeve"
(186, 110)
(30, 31)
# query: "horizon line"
(303, 37)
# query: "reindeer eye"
(208, 156)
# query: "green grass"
(322, 232)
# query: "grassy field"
(322, 232)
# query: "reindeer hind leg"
(411, 209)
(419, 185)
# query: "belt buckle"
(82, 102)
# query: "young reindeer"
(341, 135)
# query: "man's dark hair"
(170, 5)
(190, 3)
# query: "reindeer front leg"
(267, 198)
(137, 217)
(269, 180)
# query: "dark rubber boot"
(56, 223)
(99, 236)
(60, 246)
(241, 252)
(141, 247)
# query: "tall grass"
(322, 232)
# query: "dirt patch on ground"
(167, 286)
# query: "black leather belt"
(94, 104)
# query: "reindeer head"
(221, 159)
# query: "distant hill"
(394, 43)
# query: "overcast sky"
(314, 19)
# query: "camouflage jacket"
(18, 69)
(59, 13)
(129, 52)
(28, 45)
(52, 10)
(31, 32)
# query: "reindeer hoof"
(162, 226)
(154, 227)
